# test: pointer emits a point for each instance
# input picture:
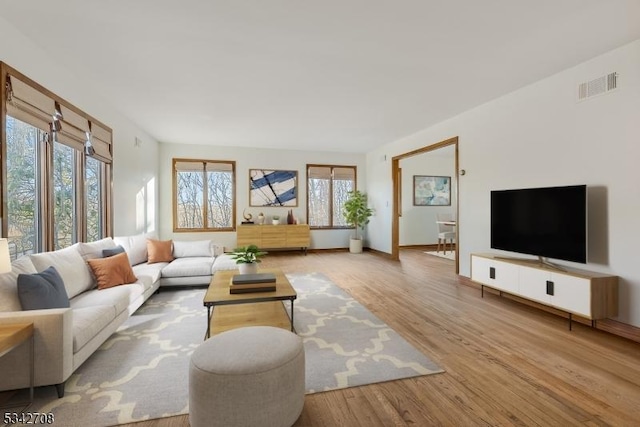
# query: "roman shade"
(329, 172)
(199, 166)
(73, 128)
(347, 174)
(28, 104)
(101, 142)
(319, 172)
(70, 126)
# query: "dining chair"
(445, 231)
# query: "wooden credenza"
(584, 293)
(275, 236)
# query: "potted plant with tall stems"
(247, 258)
(357, 214)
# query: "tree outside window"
(23, 188)
(327, 190)
(204, 195)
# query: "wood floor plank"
(506, 363)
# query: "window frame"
(45, 227)
(331, 226)
(205, 216)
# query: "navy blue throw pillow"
(106, 253)
(42, 290)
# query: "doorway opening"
(397, 194)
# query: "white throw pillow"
(183, 249)
(9, 300)
(72, 268)
(135, 246)
(93, 250)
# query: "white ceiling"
(338, 75)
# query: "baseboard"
(320, 250)
(377, 252)
(618, 328)
(426, 247)
(611, 326)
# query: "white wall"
(418, 223)
(134, 170)
(253, 158)
(541, 136)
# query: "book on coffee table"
(252, 278)
(243, 289)
(245, 283)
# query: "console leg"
(481, 291)
(60, 390)
(570, 318)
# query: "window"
(94, 204)
(55, 167)
(204, 195)
(328, 188)
(64, 201)
(23, 187)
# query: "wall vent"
(598, 86)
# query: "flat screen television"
(548, 222)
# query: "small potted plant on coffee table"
(247, 258)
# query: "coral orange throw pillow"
(112, 271)
(159, 250)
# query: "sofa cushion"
(9, 300)
(159, 251)
(88, 322)
(135, 246)
(94, 250)
(106, 253)
(39, 291)
(192, 248)
(112, 271)
(118, 297)
(191, 266)
(224, 262)
(72, 268)
(148, 274)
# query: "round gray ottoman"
(252, 376)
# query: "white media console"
(583, 293)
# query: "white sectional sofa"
(66, 337)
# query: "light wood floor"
(506, 363)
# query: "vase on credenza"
(290, 219)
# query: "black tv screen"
(548, 222)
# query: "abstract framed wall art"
(431, 190)
(268, 187)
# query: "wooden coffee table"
(247, 309)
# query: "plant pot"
(355, 246)
(275, 221)
(251, 268)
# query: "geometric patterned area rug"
(345, 344)
(141, 371)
